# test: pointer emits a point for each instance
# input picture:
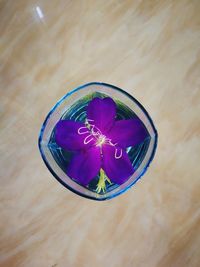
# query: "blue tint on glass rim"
(57, 105)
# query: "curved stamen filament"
(88, 139)
(83, 130)
(88, 121)
(110, 142)
(118, 155)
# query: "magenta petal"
(102, 113)
(118, 170)
(68, 138)
(85, 165)
(128, 132)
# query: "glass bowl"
(73, 106)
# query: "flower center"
(93, 132)
(101, 140)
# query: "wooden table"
(152, 50)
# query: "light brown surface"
(152, 50)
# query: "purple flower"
(100, 143)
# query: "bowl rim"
(53, 109)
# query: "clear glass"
(72, 106)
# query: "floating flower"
(100, 144)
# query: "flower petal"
(70, 135)
(85, 165)
(102, 113)
(128, 132)
(118, 169)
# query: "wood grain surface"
(152, 50)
